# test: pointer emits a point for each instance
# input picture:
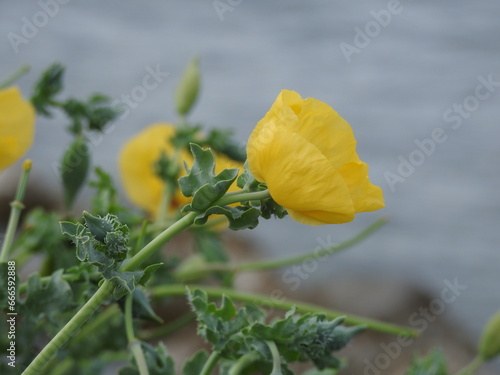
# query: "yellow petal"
(300, 178)
(17, 126)
(143, 187)
(365, 195)
(306, 154)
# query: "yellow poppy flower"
(306, 154)
(17, 126)
(137, 157)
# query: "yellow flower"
(137, 157)
(17, 126)
(306, 154)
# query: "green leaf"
(74, 169)
(148, 273)
(46, 300)
(433, 364)
(220, 140)
(188, 88)
(158, 361)
(49, 85)
(240, 217)
(105, 198)
(195, 364)
(141, 306)
(201, 183)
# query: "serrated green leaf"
(196, 363)
(239, 217)
(201, 183)
(46, 300)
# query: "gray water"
(402, 85)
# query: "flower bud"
(489, 346)
(188, 88)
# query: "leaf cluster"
(235, 333)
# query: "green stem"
(95, 325)
(280, 303)
(158, 242)
(134, 344)
(276, 358)
(15, 212)
(210, 364)
(162, 331)
(262, 265)
(242, 196)
(242, 363)
(68, 330)
(273, 264)
(471, 367)
(15, 76)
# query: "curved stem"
(282, 304)
(471, 367)
(15, 76)
(273, 264)
(67, 331)
(276, 358)
(15, 212)
(210, 364)
(134, 344)
(242, 363)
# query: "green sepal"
(74, 169)
(201, 183)
(268, 207)
(194, 366)
(188, 88)
(239, 217)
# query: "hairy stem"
(279, 302)
(15, 212)
(134, 344)
(210, 364)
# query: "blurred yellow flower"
(17, 126)
(136, 164)
(306, 154)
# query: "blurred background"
(419, 82)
